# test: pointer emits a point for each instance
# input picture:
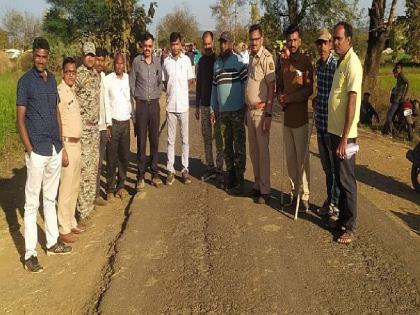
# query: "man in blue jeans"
(325, 68)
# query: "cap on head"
(226, 36)
(324, 35)
(40, 43)
(89, 48)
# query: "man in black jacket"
(203, 96)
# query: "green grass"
(8, 82)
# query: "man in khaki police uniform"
(71, 123)
(259, 93)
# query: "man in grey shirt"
(145, 87)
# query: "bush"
(25, 61)
(5, 63)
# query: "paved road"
(195, 249)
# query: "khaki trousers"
(296, 141)
(259, 150)
(69, 189)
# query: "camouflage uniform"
(87, 91)
(208, 133)
(232, 128)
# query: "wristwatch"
(267, 114)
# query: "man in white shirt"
(176, 73)
(104, 123)
(117, 97)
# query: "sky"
(200, 8)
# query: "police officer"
(259, 93)
(87, 88)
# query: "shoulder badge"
(271, 65)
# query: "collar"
(295, 57)
(142, 58)
(66, 86)
(114, 76)
(39, 74)
(348, 54)
(259, 52)
(181, 55)
(329, 60)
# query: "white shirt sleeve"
(190, 73)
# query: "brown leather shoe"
(68, 238)
(110, 197)
(78, 230)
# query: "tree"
(21, 28)
(255, 13)
(379, 31)
(226, 13)
(116, 23)
(310, 15)
(127, 24)
(413, 24)
(4, 42)
(181, 21)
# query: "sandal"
(346, 238)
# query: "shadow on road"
(12, 201)
(385, 183)
(411, 219)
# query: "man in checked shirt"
(325, 68)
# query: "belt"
(120, 122)
(71, 139)
(259, 105)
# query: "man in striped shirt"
(227, 107)
(325, 68)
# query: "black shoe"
(255, 193)
(238, 188)
(230, 179)
(59, 249)
(220, 180)
(210, 173)
(263, 199)
(32, 265)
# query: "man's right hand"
(212, 118)
(197, 113)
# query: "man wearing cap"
(259, 93)
(325, 68)
(105, 122)
(227, 107)
(39, 124)
(87, 89)
(295, 86)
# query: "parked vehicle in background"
(403, 120)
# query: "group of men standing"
(68, 131)
(243, 95)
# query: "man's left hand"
(341, 150)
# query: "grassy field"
(8, 82)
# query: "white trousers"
(173, 119)
(42, 172)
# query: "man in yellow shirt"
(343, 116)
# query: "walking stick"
(302, 169)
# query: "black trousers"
(102, 151)
(117, 152)
(147, 123)
(344, 172)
